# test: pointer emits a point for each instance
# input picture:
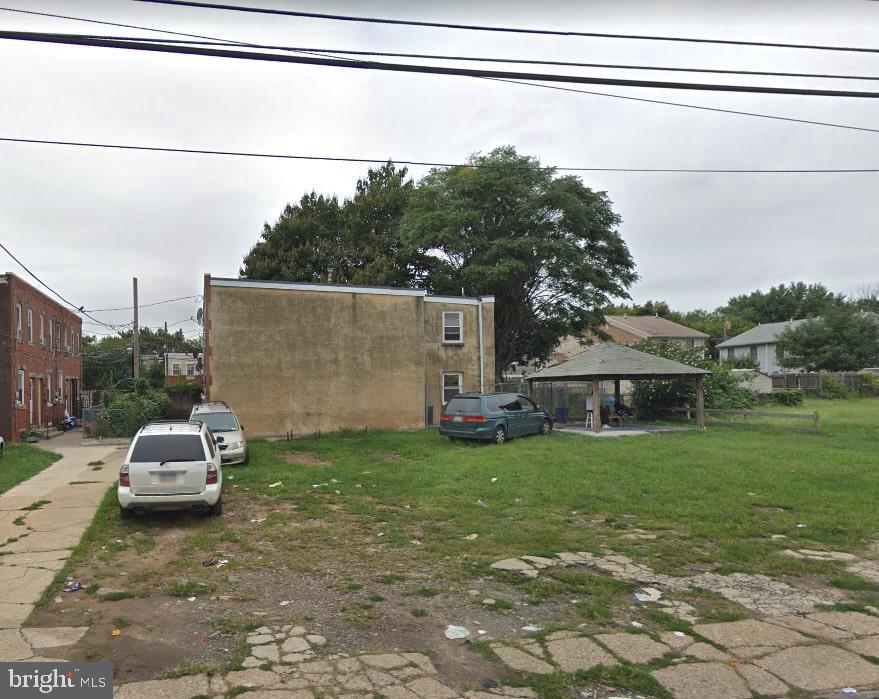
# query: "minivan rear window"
(463, 405)
(168, 447)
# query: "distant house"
(760, 344)
(183, 366)
(629, 330)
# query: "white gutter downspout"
(481, 353)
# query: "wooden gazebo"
(611, 362)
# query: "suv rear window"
(168, 447)
(463, 405)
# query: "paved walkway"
(41, 520)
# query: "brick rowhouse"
(40, 359)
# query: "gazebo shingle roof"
(610, 361)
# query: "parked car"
(171, 465)
(495, 417)
(224, 425)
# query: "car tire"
(246, 457)
(217, 508)
(125, 513)
(546, 427)
(500, 435)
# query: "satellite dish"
(199, 316)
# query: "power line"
(493, 59)
(758, 115)
(699, 107)
(143, 305)
(508, 30)
(81, 40)
(328, 158)
(71, 305)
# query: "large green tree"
(784, 302)
(547, 248)
(842, 339)
(356, 241)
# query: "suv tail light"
(124, 481)
(211, 475)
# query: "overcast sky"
(87, 221)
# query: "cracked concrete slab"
(572, 654)
(750, 632)
(817, 668)
(13, 646)
(702, 680)
(855, 622)
(53, 637)
(811, 627)
(634, 647)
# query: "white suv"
(171, 465)
(227, 431)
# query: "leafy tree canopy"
(106, 360)
(546, 247)
(784, 302)
(841, 339)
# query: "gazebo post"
(596, 406)
(700, 402)
(616, 392)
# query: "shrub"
(125, 412)
(788, 396)
(833, 388)
(723, 389)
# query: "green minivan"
(493, 417)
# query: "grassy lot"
(367, 531)
(20, 462)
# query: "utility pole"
(135, 338)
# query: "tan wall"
(463, 358)
(316, 360)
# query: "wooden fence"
(813, 382)
(752, 418)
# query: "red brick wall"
(38, 359)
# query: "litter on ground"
(454, 632)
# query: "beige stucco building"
(302, 358)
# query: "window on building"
(452, 330)
(190, 369)
(19, 394)
(451, 385)
(58, 336)
(754, 352)
(18, 321)
(60, 385)
(691, 342)
(42, 330)
(49, 395)
(66, 339)
(175, 370)
(30, 326)
(51, 326)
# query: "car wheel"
(125, 513)
(246, 457)
(546, 427)
(500, 435)
(217, 508)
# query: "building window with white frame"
(60, 385)
(453, 331)
(18, 321)
(51, 334)
(19, 394)
(190, 369)
(58, 336)
(42, 330)
(175, 370)
(452, 385)
(49, 396)
(30, 326)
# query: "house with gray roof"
(760, 343)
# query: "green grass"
(689, 488)
(37, 505)
(419, 612)
(847, 581)
(21, 461)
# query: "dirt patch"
(305, 458)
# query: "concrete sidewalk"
(39, 540)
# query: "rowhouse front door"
(30, 403)
(39, 401)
